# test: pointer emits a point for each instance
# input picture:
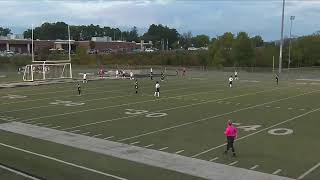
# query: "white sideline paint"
(214, 159)
(254, 133)
(163, 148)
(135, 143)
(178, 152)
(86, 133)
(254, 167)
(233, 163)
(160, 159)
(211, 117)
(169, 109)
(277, 171)
(19, 173)
(55, 127)
(150, 145)
(113, 106)
(63, 162)
(309, 171)
(108, 137)
(97, 135)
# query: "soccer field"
(109, 132)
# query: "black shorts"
(158, 90)
(236, 76)
(230, 82)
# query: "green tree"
(243, 51)
(4, 31)
(200, 41)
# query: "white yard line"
(254, 133)
(254, 167)
(211, 117)
(233, 163)
(63, 162)
(168, 109)
(214, 159)
(109, 137)
(150, 145)
(19, 173)
(163, 148)
(277, 171)
(135, 143)
(309, 171)
(178, 152)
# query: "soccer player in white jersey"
(117, 73)
(157, 92)
(151, 74)
(85, 78)
(236, 75)
(230, 81)
(131, 75)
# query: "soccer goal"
(48, 69)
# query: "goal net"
(47, 71)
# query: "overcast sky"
(211, 17)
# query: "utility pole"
(281, 40)
(289, 62)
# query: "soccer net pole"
(69, 51)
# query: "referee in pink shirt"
(231, 133)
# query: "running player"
(85, 78)
(117, 73)
(131, 75)
(230, 81)
(151, 74)
(277, 78)
(136, 86)
(236, 75)
(79, 89)
(184, 72)
(157, 92)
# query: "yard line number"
(66, 103)
(276, 131)
(145, 112)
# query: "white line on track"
(135, 143)
(233, 163)
(211, 117)
(97, 135)
(77, 130)
(309, 171)
(163, 148)
(109, 137)
(150, 145)
(254, 133)
(254, 167)
(277, 171)
(19, 173)
(178, 152)
(64, 162)
(169, 109)
(214, 159)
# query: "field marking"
(254, 167)
(77, 130)
(150, 145)
(63, 162)
(163, 148)
(109, 137)
(178, 152)
(55, 127)
(19, 173)
(135, 143)
(97, 135)
(150, 157)
(101, 92)
(233, 163)
(168, 109)
(214, 159)
(277, 171)
(85, 133)
(118, 105)
(211, 117)
(254, 133)
(309, 171)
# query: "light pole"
(289, 62)
(281, 40)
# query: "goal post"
(47, 71)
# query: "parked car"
(149, 50)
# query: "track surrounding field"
(278, 126)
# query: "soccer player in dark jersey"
(136, 86)
(162, 76)
(79, 89)
(277, 79)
